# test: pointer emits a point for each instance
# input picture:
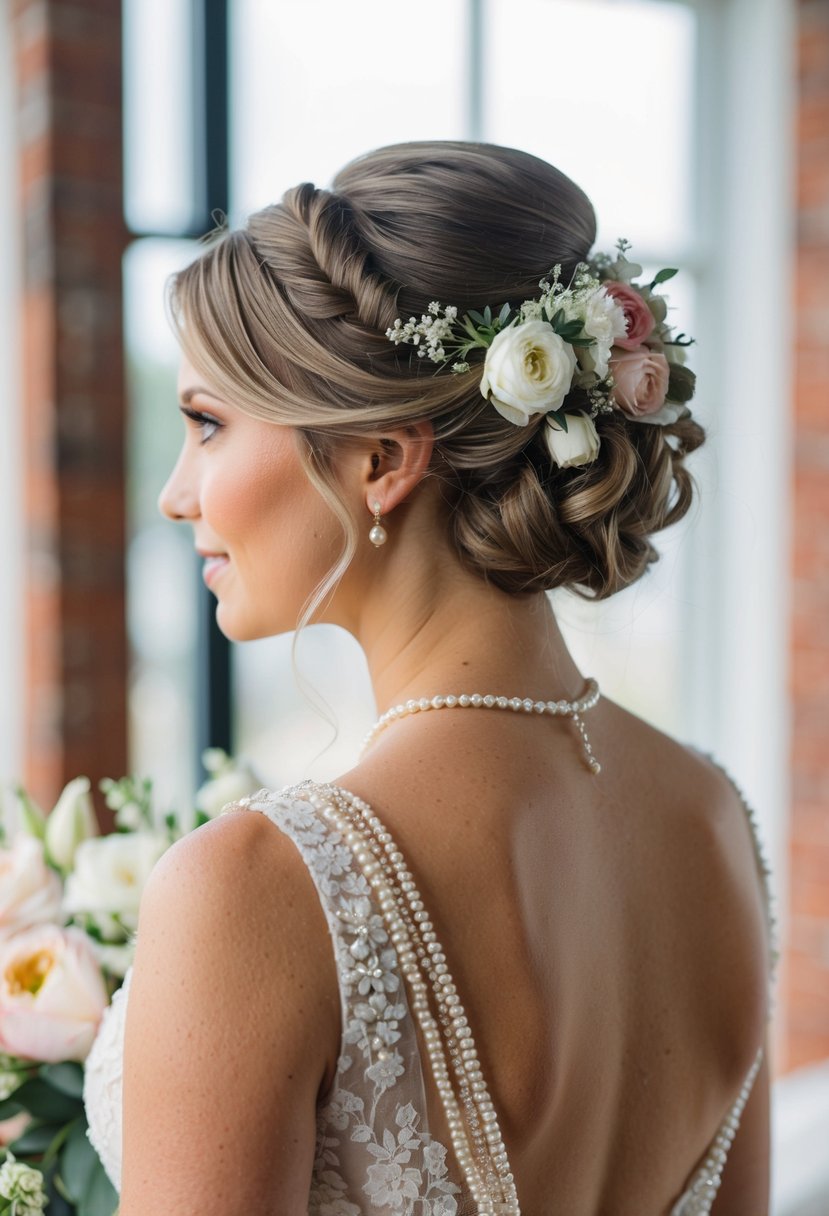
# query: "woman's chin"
(238, 628)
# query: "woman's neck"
(452, 632)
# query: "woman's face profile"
(266, 535)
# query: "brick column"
(807, 963)
(68, 57)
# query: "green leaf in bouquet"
(35, 1139)
(46, 1102)
(101, 1198)
(475, 316)
(78, 1162)
(503, 315)
(662, 277)
(34, 819)
(66, 1077)
(9, 1108)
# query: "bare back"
(606, 936)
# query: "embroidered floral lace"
(374, 1152)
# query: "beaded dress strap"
(701, 1192)
(470, 1114)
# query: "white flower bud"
(71, 821)
(578, 445)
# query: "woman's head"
(286, 320)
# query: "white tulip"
(578, 445)
(72, 821)
(111, 871)
(528, 371)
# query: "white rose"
(228, 786)
(111, 872)
(578, 445)
(528, 371)
(71, 821)
(30, 891)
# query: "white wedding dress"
(374, 1153)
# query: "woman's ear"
(397, 464)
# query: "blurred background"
(699, 128)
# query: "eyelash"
(202, 420)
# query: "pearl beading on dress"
(484, 1162)
(569, 709)
(700, 1195)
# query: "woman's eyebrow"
(189, 393)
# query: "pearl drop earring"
(378, 535)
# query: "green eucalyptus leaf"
(9, 1108)
(487, 315)
(77, 1163)
(557, 318)
(101, 1198)
(476, 317)
(503, 315)
(66, 1077)
(45, 1102)
(662, 276)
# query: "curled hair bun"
(541, 527)
(288, 316)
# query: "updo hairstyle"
(287, 316)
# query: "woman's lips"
(213, 567)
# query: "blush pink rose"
(52, 994)
(641, 381)
(638, 317)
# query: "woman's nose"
(178, 500)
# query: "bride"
(518, 958)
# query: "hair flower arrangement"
(597, 345)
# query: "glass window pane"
(287, 81)
(604, 90)
(402, 78)
(162, 569)
(158, 115)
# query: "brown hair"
(288, 317)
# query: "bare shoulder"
(233, 1016)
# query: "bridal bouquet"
(69, 902)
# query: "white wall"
(11, 488)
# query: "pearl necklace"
(484, 1161)
(567, 709)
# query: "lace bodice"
(374, 1151)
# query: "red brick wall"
(68, 60)
(807, 961)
